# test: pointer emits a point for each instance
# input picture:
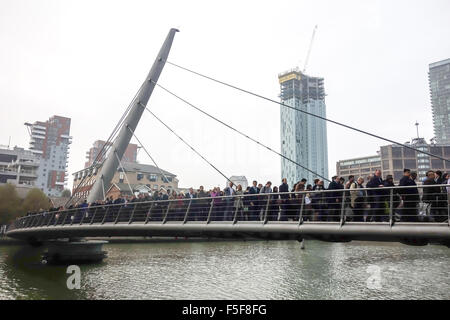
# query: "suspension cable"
(153, 160)
(188, 145)
(241, 133)
(105, 148)
(124, 173)
(305, 112)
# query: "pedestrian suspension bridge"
(322, 215)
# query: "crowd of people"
(358, 199)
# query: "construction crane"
(309, 49)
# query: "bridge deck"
(400, 232)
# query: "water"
(237, 270)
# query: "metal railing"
(386, 205)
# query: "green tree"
(66, 193)
(35, 200)
(10, 204)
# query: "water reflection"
(235, 270)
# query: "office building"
(392, 159)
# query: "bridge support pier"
(74, 251)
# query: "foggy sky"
(86, 59)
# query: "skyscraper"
(439, 79)
(50, 141)
(303, 137)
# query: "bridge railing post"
(187, 211)
(167, 212)
(41, 219)
(51, 218)
(237, 210)
(266, 209)
(108, 208)
(448, 214)
(30, 221)
(84, 213)
(391, 207)
(33, 220)
(64, 214)
(58, 215)
(132, 213)
(93, 216)
(342, 220)
(148, 213)
(118, 213)
(302, 205)
(208, 220)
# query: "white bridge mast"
(111, 163)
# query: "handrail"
(261, 207)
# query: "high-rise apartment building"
(50, 141)
(303, 137)
(439, 79)
(130, 154)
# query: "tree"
(10, 204)
(35, 200)
(66, 193)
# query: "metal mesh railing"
(361, 205)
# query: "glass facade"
(439, 80)
(303, 137)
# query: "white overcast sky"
(86, 59)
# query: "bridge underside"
(408, 233)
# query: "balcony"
(35, 136)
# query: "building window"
(396, 153)
(398, 164)
(408, 153)
(410, 164)
(121, 177)
(385, 164)
(437, 164)
(140, 176)
(152, 177)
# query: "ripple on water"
(242, 270)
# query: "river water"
(236, 270)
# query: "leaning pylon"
(111, 163)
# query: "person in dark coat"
(376, 197)
(284, 199)
(442, 198)
(410, 197)
(334, 199)
(319, 201)
(431, 196)
(254, 203)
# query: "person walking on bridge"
(284, 199)
(410, 197)
(229, 192)
(431, 196)
(264, 200)
(375, 197)
(334, 199)
(254, 203)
